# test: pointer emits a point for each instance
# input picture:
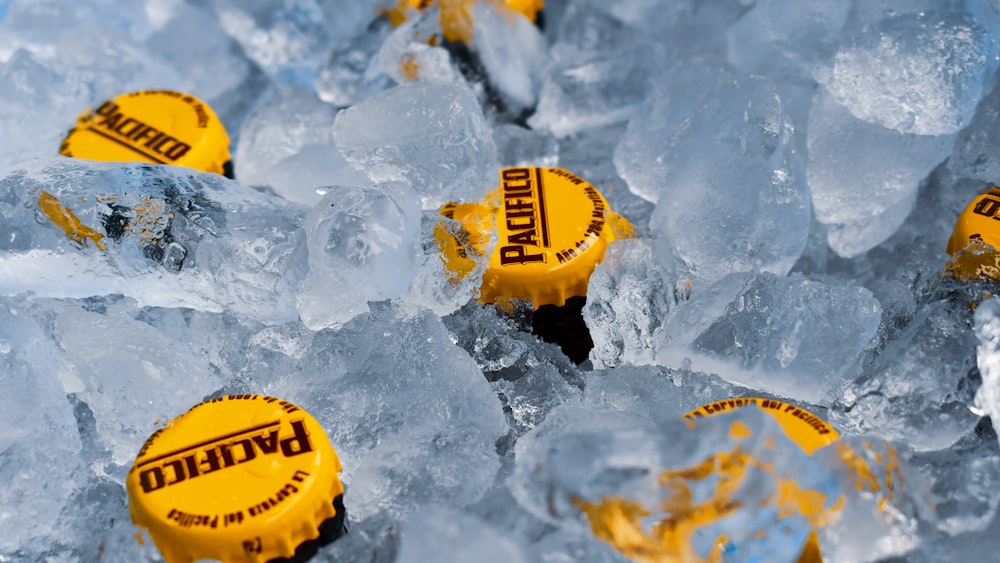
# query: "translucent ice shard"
(433, 136)
(363, 246)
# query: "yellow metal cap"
(804, 428)
(157, 126)
(239, 478)
(552, 230)
(975, 240)
(807, 430)
(455, 18)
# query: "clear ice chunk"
(431, 135)
(286, 144)
(786, 38)
(350, 71)
(512, 52)
(364, 245)
(161, 235)
(194, 42)
(864, 177)
(918, 388)
(718, 153)
(629, 297)
(440, 533)
(410, 414)
(131, 394)
(599, 72)
(977, 147)
(407, 54)
(283, 38)
(790, 336)
(39, 443)
(914, 73)
(987, 323)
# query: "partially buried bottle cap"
(807, 430)
(802, 427)
(552, 229)
(156, 126)
(976, 229)
(239, 478)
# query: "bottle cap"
(239, 478)
(157, 126)
(551, 227)
(976, 230)
(527, 8)
(807, 430)
(804, 428)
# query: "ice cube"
(134, 378)
(363, 246)
(411, 416)
(786, 38)
(287, 145)
(734, 473)
(410, 53)
(512, 52)
(863, 177)
(40, 448)
(444, 534)
(433, 136)
(977, 146)
(164, 236)
(791, 336)
(195, 44)
(915, 73)
(284, 38)
(718, 153)
(918, 388)
(987, 319)
(629, 298)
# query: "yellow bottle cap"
(157, 126)
(527, 8)
(977, 229)
(239, 478)
(804, 428)
(552, 229)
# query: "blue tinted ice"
(793, 170)
(163, 236)
(432, 135)
(286, 144)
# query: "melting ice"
(793, 170)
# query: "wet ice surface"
(793, 170)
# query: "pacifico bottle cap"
(157, 126)
(804, 428)
(239, 478)
(552, 229)
(976, 229)
(527, 8)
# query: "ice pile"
(793, 170)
